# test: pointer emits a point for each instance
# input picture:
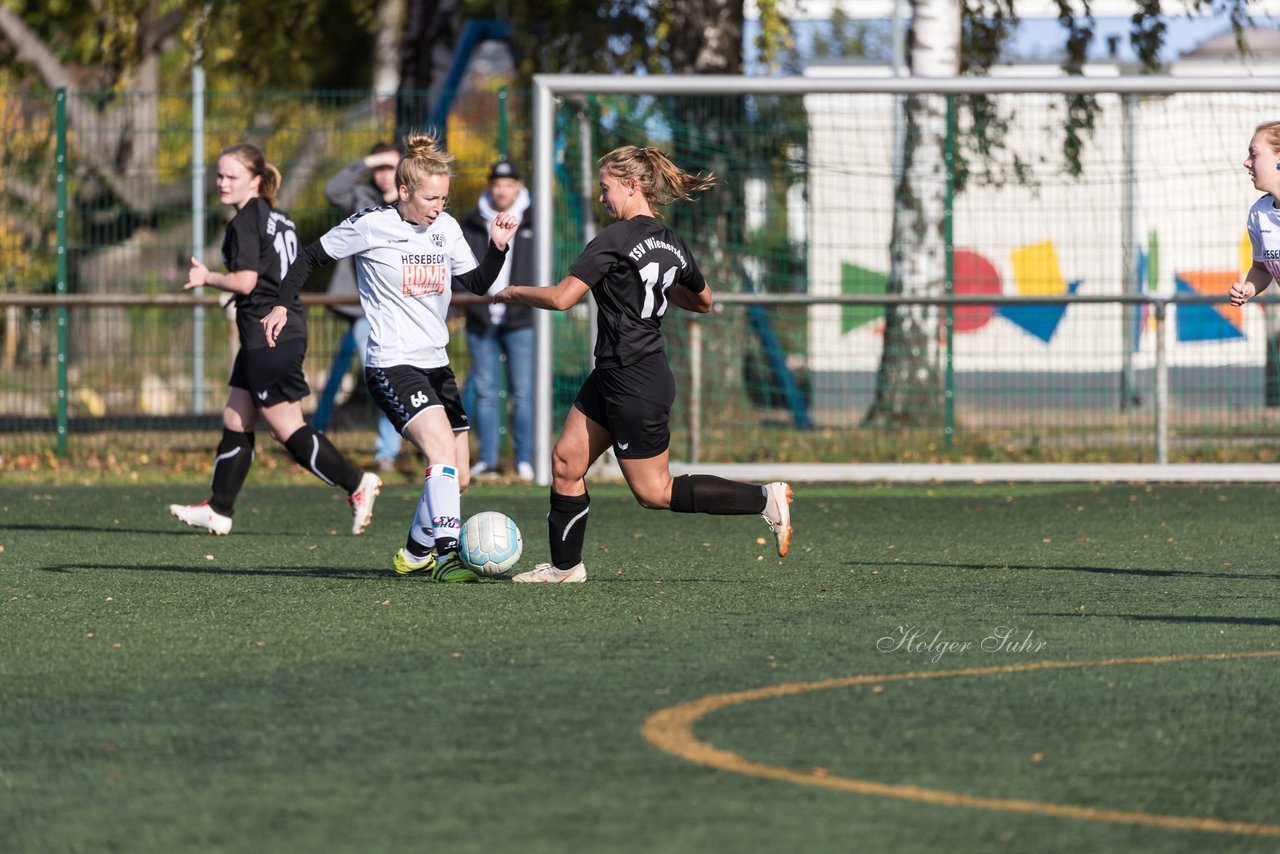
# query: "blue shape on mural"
(1138, 313)
(1201, 322)
(1039, 320)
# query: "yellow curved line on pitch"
(671, 730)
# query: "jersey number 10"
(655, 297)
(286, 245)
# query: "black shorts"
(403, 391)
(272, 375)
(634, 404)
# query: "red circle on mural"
(973, 275)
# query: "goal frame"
(547, 88)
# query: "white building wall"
(1191, 191)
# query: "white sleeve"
(1255, 234)
(463, 259)
(345, 239)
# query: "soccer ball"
(490, 543)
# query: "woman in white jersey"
(635, 268)
(1263, 223)
(408, 255)
(266, 381)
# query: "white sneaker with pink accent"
(202, 516)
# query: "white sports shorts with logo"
(403, 392)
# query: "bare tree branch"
(31, 48)
(29, 194)
(109, 127)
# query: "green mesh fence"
(135, 373)
(805, 208)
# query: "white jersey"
(403, 273)
(1264, 233)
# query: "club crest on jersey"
(437, 240)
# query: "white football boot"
(361, 502)
(202, 516)
(777, 513)
(547, 573)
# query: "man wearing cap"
(494, 331)
(366, 182)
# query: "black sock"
(230, 467)
(315, 453)
(416, 548)
(706, 493)
(567, 528)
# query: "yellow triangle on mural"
(1216, 284)
(1246, 256)
(1036, 271)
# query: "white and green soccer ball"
(490, 543)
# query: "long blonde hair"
(422, 159)
(251, 157)
(661, 181)
(1273, 134)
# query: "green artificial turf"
(279, 690)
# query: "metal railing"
(709, 407)
(1159, 306)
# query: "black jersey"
(629, 266)
(262, 239)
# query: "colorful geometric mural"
(1035, 273)
(974, 275)
(1208, 322)
(1212, 322)
(859, 280)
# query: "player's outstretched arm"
(503, 229)
(308, 259)
(1254, 283)
(699, 303)
(558, 297)
(239, 282)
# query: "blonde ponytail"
(660, 180)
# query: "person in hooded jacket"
(498, 330)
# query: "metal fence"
(143, 394)
(1083, 319)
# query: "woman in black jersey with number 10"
(260, 244)
(636, 267)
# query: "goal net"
(1013, 310)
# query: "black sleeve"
(240, 248)
(308, 259)
(478, 280)
(692, 280)
(596, 260)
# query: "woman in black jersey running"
(260, 244)
(636, 267)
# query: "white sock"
(421, 538)
(444, 500)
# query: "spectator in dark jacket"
(365, 183)
(494, 331)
